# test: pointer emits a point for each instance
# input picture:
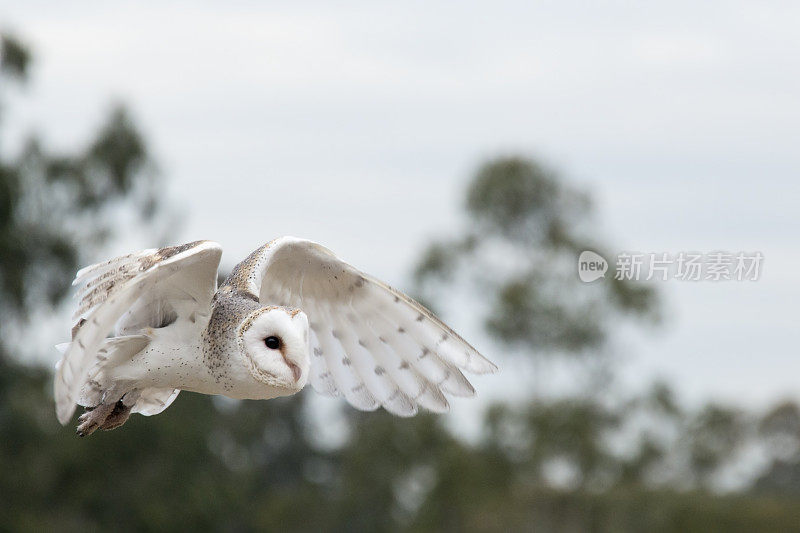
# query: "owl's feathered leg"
(105, 416)
(93, 418)
(118, 416)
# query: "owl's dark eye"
(273, 343)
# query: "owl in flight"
(153, 323)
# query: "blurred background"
(467, 154)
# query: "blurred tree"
(780, 430)
(55, 209)
(714, 435)
(14, 58)
(525, 229)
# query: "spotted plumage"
(153, 323)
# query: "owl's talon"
(118, 416)
(93, 418)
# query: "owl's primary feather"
(149, 328)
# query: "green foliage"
(525, 202)
(634, 510)
(525, 229)
(54, 208)
(780, 429)
(254, 466)
(14, 57)
(715, 433)
(520, 304)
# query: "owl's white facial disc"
(274, 340)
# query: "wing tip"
(481, 365)
(362, 399)
(461, 393)
(64, 411)
(399, 404)
(458, 385)
(437, 405)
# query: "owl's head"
(274, 340)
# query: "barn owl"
(153, 323)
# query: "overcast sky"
(358, 125)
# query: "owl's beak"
(296, 372)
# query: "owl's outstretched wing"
(369, 342)
(125, 297)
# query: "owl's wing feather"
(369, 342)
(124, 297)
(153, 400)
